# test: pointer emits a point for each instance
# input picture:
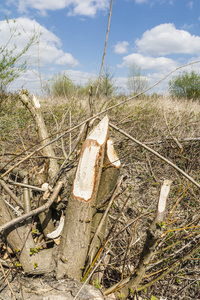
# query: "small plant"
(17, 264)
(34, 250)
(96, 283)
(35, 265)
(120, 295)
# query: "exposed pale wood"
(55, 234)
(165, 189)
(76, 233)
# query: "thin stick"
(12, 195)
(157, 154)
(35, 211)
(32, 187)
(7, 281)
(173, 266)
(104, 53)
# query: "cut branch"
(35, 211)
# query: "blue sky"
(156, 35)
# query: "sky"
(156, 36)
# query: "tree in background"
(60, 86)
(11, 61)
(137, 83)
(106, 87)
(186, 85)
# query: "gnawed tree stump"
(76, 234)
(94, 182)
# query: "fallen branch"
(35, 211)
(12, 195)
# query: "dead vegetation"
(169, 126)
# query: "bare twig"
(35, 211)
(104, 54)
(157, 154)
(173, 266)
(12, 195)
(7, 281)
(32, 187)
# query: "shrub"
(186, 85)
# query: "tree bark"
(109, 176)
(76, 234)
(34, 107)
(20, 240)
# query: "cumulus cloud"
(75, 7)
(49, 44)
(165, 39)
(121, 47)
(148, 62)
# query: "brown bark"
(20, 240)
(76, 234)
(34, 107)
(107, 184)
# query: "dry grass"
(161, 122)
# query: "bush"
(60, 86)
(11, 63)
(186, 85)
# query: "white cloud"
(49, 44)
(190, 4)
(141, 1)
(121, 47)
(65, 59)
(165, 39)
(80, 77)
(148, 62)
(75, 7)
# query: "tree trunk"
(76, 234)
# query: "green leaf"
(35, 265)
